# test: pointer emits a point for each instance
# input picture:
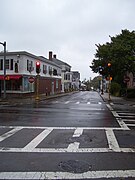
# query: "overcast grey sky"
(70, 28)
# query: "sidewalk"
(118, 100)
(32, 98)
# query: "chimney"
(50, 55)
(54, 56)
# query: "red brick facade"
(49, 86)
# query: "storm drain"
(75, 166)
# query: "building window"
(55, 72)
(57, 84)
(50, 70)
(44, 69)
(1, 64)
(11, 64)
(30, 67)
(7, 64)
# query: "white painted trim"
(65, 175)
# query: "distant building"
(75, 80)
(21, 65)
(66, 73)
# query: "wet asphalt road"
(76, 136)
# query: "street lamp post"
(4, 44)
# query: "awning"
(10, 77)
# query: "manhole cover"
(75, 166)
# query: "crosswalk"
(78, 102)
(72, 138)
(126, 119)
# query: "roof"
(59, 62)
(42, 58)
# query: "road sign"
(31, 79)
(126, 79)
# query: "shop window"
(1, 64)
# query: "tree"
(120, 52)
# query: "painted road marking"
(109, 107)
(10, 133)
(73, 147)
(122, 124)
(99, 103)
(67, 102)
(69, 128)
(133, 125)
(37, 140)
(77, 102)
(113, 144)
(78, 132)
(65, 175)
(88, 102)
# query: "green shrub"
(115, 89)
(131, 93)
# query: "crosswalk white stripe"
(74, 147)
(99, 103)
(122, 124)
(115, 114)
(113, 144)
(64, 175)
(60, 127)
(67, 102)
(126, 113)
(78, 132)
(77, 102)
(37, 140)
(131, 120)
(109, 107)
(133, 125)
(10, 133)
(88, 102)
